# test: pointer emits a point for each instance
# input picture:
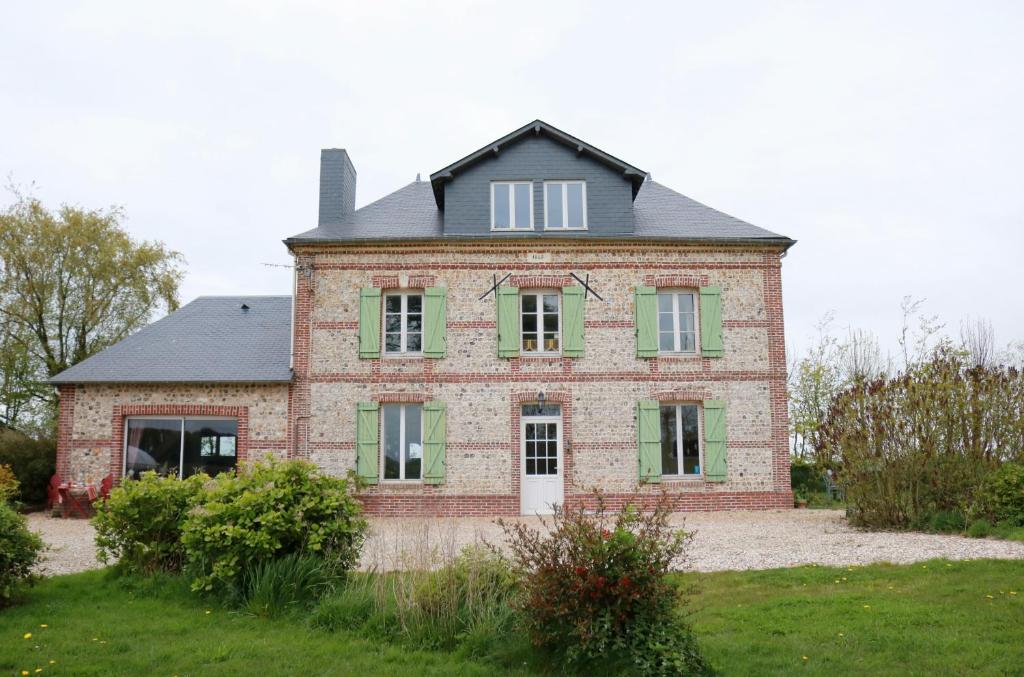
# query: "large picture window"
(540, 323)
(402, 441)
(680, 440)
(180, 446)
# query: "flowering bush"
(19, 552)
(268, 510)
(596, 589)
(140, 524)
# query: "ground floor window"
(680, 440)
(402, 441)
(180, 446)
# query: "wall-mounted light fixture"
(540, 399)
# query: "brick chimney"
(337, 186)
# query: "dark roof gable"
(538, 127)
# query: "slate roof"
(660, 213)
(210, 340)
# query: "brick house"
(538, 319)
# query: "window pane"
(414, 343)
(393, 304)
(665, 322)
(686, 322)
(550, 303)
(552, 466)
(686, 303)
(392, 440)
(531, 431)
(550, 322)
(554, 205)
(531, 466)
(529, 303)
(574, 195)
(551, 342)
(522, 205)
(153, 444)
(669, 456)
(529, 343)
(413, 441)
(666, 342)
(664, 303)
(501, 205)
(536, 410)
(392, 322)
(414, 322)
(530, 323)
(414, 304)
(531, 449)
(552, 431)
(220, 434)
(688, 342)
(691, 441)
(392, 343)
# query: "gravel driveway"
(723, 541)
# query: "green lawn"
(939, 618)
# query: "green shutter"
(434, 437)
(711, 322)
(369, 322)
(367, 450)
(648, 428)
(572, 321)
(715, 469)
(434, 322)
(508, 321)
(645, 316)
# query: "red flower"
(580, 571)
(606, 534)
(600, 581)
(624, 581)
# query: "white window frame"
(402, 447)
(511, 205)
(678, 406)
(565, 205)
(403, 316)
(676, 342)
(540, 293)
(181, 436)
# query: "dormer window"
(565, 205)
(511, 205)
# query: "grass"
(937, 617)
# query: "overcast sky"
(885, 137)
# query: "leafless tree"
(979, 340)
(862, 356)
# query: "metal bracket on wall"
(586, 286)
(497, 283)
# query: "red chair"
(106, 484)
(52, 492)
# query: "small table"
(77, 500)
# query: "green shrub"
(1001, 498)
(924, 441)
(8, 484)
(272, 588)
(270, 509)
(806, 478)
(33, 461)
(20, 550)
(595, 590)
(947, 522)
(980, 528)
(140, 525)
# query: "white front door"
(541, 468)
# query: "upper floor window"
(677, 322)
(541, 323)
(512, 205)
(565, 204)
(403, 323)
